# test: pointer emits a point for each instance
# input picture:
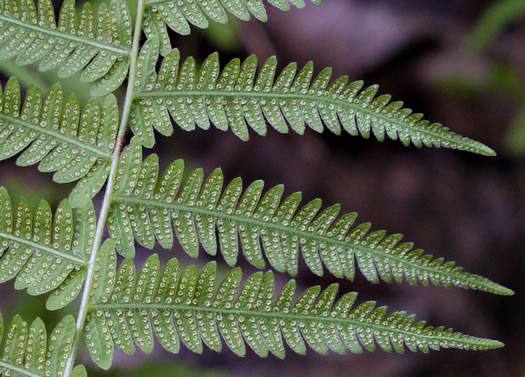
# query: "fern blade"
(57, 135)
(253, 314)
(264, 225)
(239, 99)
(179, 15)
(67, 291)
(71, 45)
(44, 251)
(29, 352)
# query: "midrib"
(55, 33)
(55, 134)
(46, 249)
(276, 315)
(290, 96)
(16, 369)
(284, 229)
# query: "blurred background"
(461, 63)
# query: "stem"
(104, 211)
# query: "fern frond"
(238, 98)
(187, 305)
(29, 352)
(146, 208)
(94, 42)
(55, 134)
(43, 252)
(178, 15)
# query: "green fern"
(45, 254)
(186, 305)
(29, 352)
(178, 15)
(239, 98)
(59, 137)
(145, 207)
(96, 43)
(66, 253)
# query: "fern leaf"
(44, 253)
(94, 42)
(29, 352)
(54, 133)
(238, 98)
(186, 305)
(146, 208)
(178, 15)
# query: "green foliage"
(184, 305)
(515, 137)
(238, 98)
(498, 16)
(96, 42)
(226, 37)
(65, 253)
(25, 74)
(146, 208)
(29, 352)
(493, 20)
(178, 15)
(55, 134)
(29, 76)
(45, 253)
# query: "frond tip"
(147, 207)
(187, 305)
(28, 352)
(238, 98)
(43, 252)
